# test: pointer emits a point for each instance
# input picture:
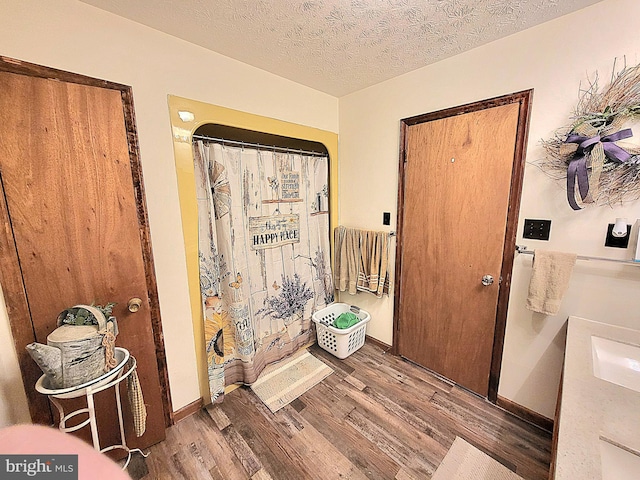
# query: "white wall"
(552, 58)
(73, 36)
(13, 401)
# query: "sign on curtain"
(274, 231)
(264, 256)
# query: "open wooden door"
(461, 174)
(75, 228)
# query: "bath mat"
(465, 462)
(281, 383)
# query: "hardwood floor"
(377, 416)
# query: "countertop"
(592, 408)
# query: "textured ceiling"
(340, 46)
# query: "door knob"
(487, 280)
(134, 304)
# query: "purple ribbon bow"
(578, 164)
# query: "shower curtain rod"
(260, 146)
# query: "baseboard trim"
(525, 414)
(378, 343)
(186, 411)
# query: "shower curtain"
(264, 255)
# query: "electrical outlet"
(537, 229)
(617, 242)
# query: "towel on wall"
(374, 258)
(339, 259)
(361, 261)
(347, 245)
(549, 280)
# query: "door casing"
(10, 273)
(523, 98)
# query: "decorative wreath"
(589, 152)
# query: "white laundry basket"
(340, 342)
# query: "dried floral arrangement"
(588, 152)
(291, 301)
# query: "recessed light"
(186, 116)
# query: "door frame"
(10, 271)
(523, 98)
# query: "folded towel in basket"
(549, 280)
(345, 320)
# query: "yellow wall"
(205, 113)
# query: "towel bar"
(523, 250)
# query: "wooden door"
(457, 202)
(75, 226)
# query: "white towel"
(549, 280)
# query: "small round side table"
(112, 378)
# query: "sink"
(616, 362)
(618, 463)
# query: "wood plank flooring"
(377, 417)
